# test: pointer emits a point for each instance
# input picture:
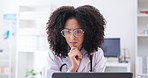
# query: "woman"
(75, 36)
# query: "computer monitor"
(93, 75)
(111, 47)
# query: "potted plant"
(33, 74)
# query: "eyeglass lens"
(76, 32)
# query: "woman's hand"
(75, 58)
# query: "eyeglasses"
(76, 32)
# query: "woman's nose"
(72, 36)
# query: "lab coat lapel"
(84, 62)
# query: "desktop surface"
(93, 75)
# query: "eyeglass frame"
(73, 32)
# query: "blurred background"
(24, 45)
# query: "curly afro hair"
(90, 20)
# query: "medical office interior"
(23, 39)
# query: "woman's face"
(76, 37)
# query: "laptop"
(93, 75)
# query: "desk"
(118, 67)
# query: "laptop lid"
(92, 75)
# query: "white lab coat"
(54, 63)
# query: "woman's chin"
(73, 46)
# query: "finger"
(73, 48)
(77, 54)
(80, 56)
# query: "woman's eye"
(67, 32)
(78, 31)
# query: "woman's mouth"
(73, 43)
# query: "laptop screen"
(92, 75)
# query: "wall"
(120, 16)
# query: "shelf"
(31, 40)
(141, 39)
(31, 32)
(143, 75)
(4, 61)
(142, 15)
(34, 15)
(142, 1)
(118, 67)
(35, 3)
(142, 35)
(3, 74)
(33, 51)
(115, 64)
(33, 18)
(31, 35)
